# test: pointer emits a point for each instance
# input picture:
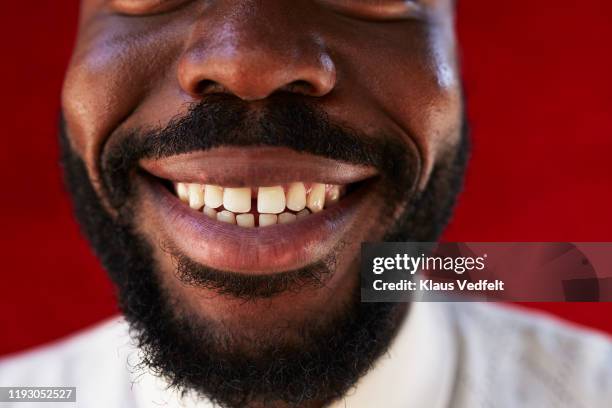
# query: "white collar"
(419, 368)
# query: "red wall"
(540, 101)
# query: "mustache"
(221, 120)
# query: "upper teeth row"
(270, 200)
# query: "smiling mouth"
(256, 210)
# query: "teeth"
(332, 196)
(303, 213)
(182, 192)
(211, 212)
(196, 196)
(237, 200)
(267, 219)
(226, 216)
(246, 220)
(271, 200)
(296, 197)
(275, 205)
(286, 218)
(316, 198)
(213, 196)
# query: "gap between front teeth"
(273, 205)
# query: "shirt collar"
(419, 368)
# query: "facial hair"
(191, 352)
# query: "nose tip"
(255, 75)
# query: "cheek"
(413, 79)
(426, 101)
(110, 73)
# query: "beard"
(194, 354)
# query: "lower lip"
(264, 250)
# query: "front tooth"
(332, 195)
(271, 200)
(303, 213)
(196, 196)
(210, 212)
(316, 197)
(226, 216)
(267, 219)
(237, 200)
(286, 218)
(246, 220)
(213, 196)
(182, 191)
(296, 197)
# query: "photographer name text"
(429, 285)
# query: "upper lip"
(254, 166)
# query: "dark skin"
(377, 66)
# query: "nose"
(253, 51)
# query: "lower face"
(211, 297)
(232, 227)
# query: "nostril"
(300, 87)
(207, 87)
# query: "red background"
(539, 88)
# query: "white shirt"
(446, 355)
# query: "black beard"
(191, 352)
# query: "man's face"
(337, 122)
